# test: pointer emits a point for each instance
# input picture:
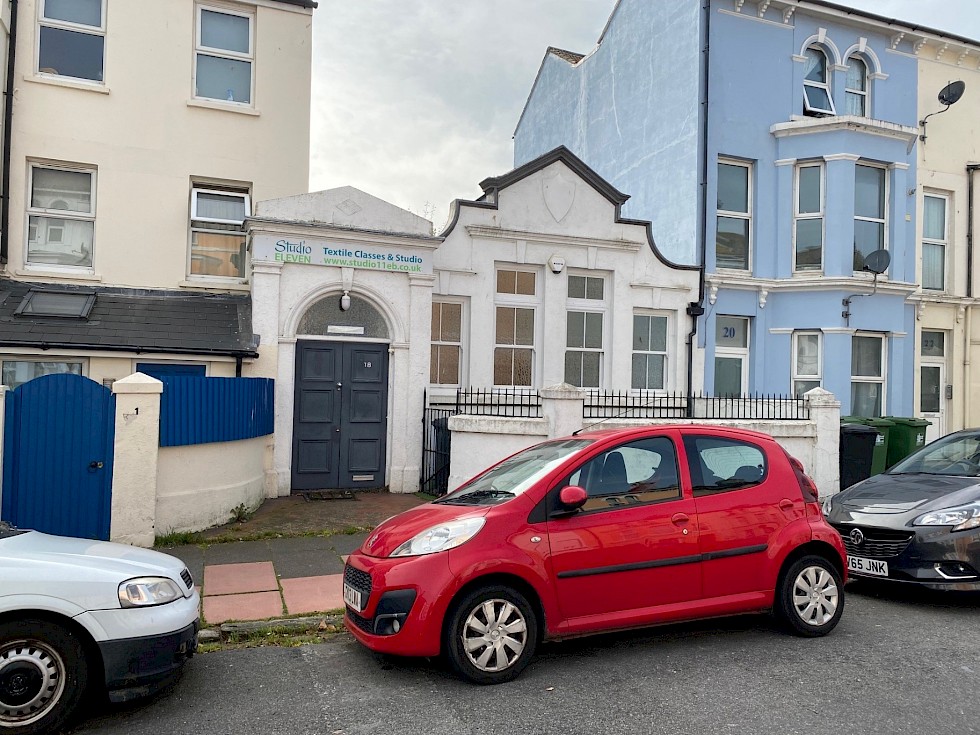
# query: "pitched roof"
(570, 56)
(133, 320)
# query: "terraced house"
(139, 134)
(776, 143)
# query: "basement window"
(69, 304)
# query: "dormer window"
(856, 91)
(816, 84)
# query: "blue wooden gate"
(57, 456)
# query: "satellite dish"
(877, 262)
(952, 92)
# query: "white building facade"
(365, 317)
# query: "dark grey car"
(919, 522)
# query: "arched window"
(816, 84)
(326, 317)
(856, 89)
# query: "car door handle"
(679, 519)
(786, 504)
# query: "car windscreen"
(957, 454)
(515, 475)
(7, 530)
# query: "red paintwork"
(772, 513)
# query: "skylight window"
(69, 304)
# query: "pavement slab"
(313, 594)
(305, 557)
(237, 551)
(230, 579)
(252, 606)
(347, 543)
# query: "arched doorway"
(340, 414)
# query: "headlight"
(826, 505)
(961, 518)
(440, 538)
(146, 591)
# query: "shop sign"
(271, 249)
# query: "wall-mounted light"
(345, 301)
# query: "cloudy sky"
(415, 101)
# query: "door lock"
(95, 465)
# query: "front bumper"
(934, 557)
(136, 667)
(414, 591)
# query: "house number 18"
(367, 364)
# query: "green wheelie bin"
(906, 436)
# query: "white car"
(74, 612)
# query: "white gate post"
(825, 414)
(134, 471)
(3, 421)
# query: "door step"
(310, 495)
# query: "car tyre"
(491, 635)
(810, 598)
(43, 676)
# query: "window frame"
(695, 464)
(63, 214)
(865, 92)
(885, 201)
(812, 109)
(588, 306)
(800, 216)
(731, 214)
(232, 190)
(650, 314)
(461, 345)
(517, 301)
(880, 380)
(73, 27)
(200, 48)
(796, 375)
(943, 243)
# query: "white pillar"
(3, 422)
(134, 470)
(562, 406)
(825, 414)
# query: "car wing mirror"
(570, 499)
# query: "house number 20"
(728, 332)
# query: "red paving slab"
(253, 606)
(233, 579)
(313, 594)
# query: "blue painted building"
(774, 143)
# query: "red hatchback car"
(601, 531)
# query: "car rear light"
(807, 486)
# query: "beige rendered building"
(947, 374)
(140, 134)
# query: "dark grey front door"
(340, 415)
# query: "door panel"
(632, 548)
(340, 418)
(931, 399)
(741, 506)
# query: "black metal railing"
(604, 404)
(519, 402)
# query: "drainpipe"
(968, 330)
(8, 116)
(695, 309)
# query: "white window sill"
(67, 82)
(82, 274)
(223, 106)
(205, 285)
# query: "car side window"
(638, 472)
(719, 465)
